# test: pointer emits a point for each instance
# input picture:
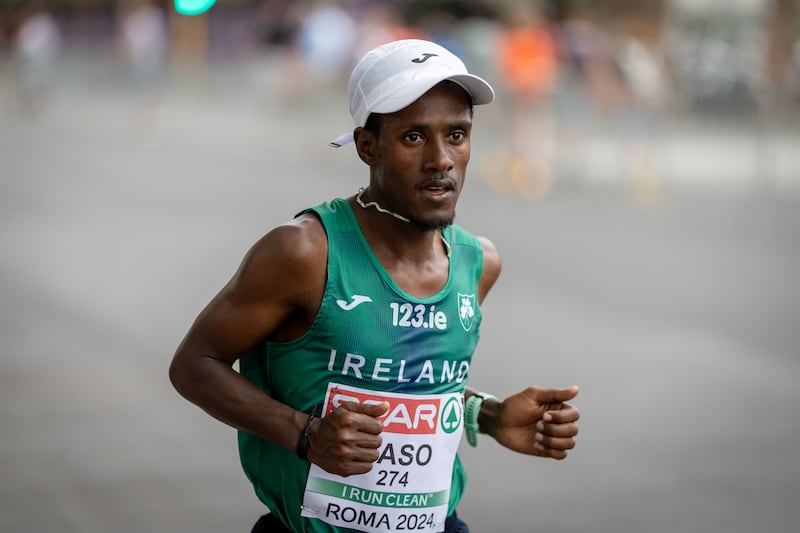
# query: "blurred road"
(675, 309)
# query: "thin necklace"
(447, 244)
(376, 206)
(400, 217)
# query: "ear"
(366, 146)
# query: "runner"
(354, 326)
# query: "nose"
(439, 157)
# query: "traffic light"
(193, 7)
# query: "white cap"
(392, 76)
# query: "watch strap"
(472, 408)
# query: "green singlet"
(368, 334)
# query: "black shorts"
(270, 524)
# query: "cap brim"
(478, 88)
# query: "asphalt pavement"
(672, 299)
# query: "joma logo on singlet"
(406, 315)
(357, 300)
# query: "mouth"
(437, 188)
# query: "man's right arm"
(280, 281)
(275, 294)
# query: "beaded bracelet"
(302, 441)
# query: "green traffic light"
(193, 7)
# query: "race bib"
(408, 488)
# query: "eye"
(413, 137)
(458, 136)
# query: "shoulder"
(492, 265)
(275, 292)
(287, 261)
(300, 240)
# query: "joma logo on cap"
(423, 58)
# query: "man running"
(354, 326)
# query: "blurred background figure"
(642, 66)
(323, 48)
(36, 47)
(794, 73)
(527, 64)
(378, 23)
(326, 40)
(276, 28)
(144, 45)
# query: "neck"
(374, 205)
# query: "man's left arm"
(535, 421)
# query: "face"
(419, 158)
